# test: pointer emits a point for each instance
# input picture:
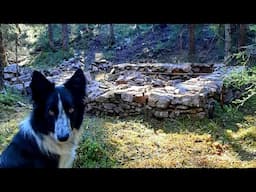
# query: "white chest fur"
(66, 150)
(66, 160)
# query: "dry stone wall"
(159, 90)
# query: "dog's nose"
(63, 137)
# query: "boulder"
(159, 100)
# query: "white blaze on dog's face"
(62, 129)
(58, 110)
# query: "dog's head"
(57, 110)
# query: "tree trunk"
(111, 35)
(180, 37)
(2, 50)
(242, 36)
(192, 49)
(50, 37)
(2, 60)
(65, 37)
(227, 40)
(221, 36)
(17, 42)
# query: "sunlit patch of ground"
(227, 141)
(134, 143)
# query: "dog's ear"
(40, 87)
(77, 83)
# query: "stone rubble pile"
(17, 78)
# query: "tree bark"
(180, 37)
(2, 49)
(17, 42)
(242, 35)
(50, 37)
(192, 49)
(111, 35)
(65, 37)
(227, 40)
(2, 58)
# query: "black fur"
(24, 151)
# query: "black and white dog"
(50, 135)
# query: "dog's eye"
(51, 112)
(71, 110)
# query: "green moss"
(92, 155)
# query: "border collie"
(50, 135)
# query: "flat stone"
(109, 106)
(98, 57)
(183, 107)
(157, 83)
(8, 76)
(12, 68)
(25, 77)
(127, 97)
(161, 114)
(159, 100)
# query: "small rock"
(18, 87)
(71, 60)
(14, 79)
(25, 78)
(98, 57)
(12, 68)
(109, 106)
(55, 72)
(125, 106)
(95, 69)
(8, 76)
(145, 50)
(127, 97)
(88, 76)
(157, 83)
(161, 114)
(20, 104)
(181, 107)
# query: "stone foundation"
(160, 90)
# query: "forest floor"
(227, 141)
